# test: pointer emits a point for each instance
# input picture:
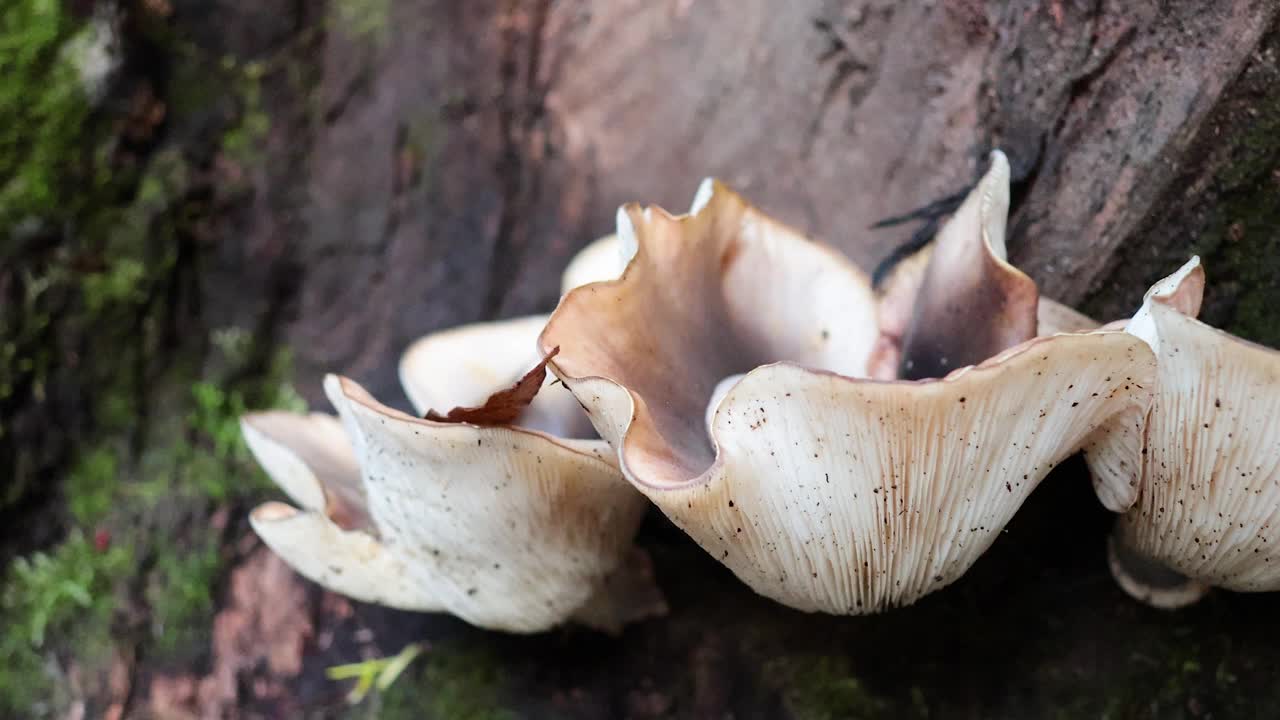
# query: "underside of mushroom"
(1209, 464)
(729, 366)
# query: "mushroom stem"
(1149, 581)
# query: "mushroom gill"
(507, 527)
(1208, 464)
(819, 487)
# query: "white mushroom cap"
(508, 528)
(463, 366)
(351, 562)
(603, 259)
(1209, 470)
(309, 457)
(1054, 317)
(1150, 582)
(820, 490)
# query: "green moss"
(155, 507)
(180, 595)
(162, 450)
(363, 19)
(92, 486)
(453, 684)
(825, 688)
(23, 356)
(242, 140)
(64, 597)
(1243, 257)
(42, 111)
(216, 416)
(1242, 242)
(121, 282)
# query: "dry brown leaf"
(504, 406)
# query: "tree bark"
(432, 163)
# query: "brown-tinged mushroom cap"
(1209, 470)
(957, 301)
(819, 490)
(972, 303)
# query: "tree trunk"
(356, 173)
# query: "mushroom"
(510, 527)
(1208, 465)
(728, 368)
(602, 259)
(925, 299)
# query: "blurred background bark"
(205, 205)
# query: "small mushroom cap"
(603, 259)
(819, 490)
(894, 309)
(1208, 472)
(461, 367)
(310, 458)
(1054, 317)
(1150, 582)
(509, 528)
(971, 303)
(351, 562)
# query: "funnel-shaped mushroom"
(1208, 470)
(928, 299)
(819, 489)
(508, 527)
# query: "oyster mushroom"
(818, 487)
(509, 527)
(1208, 467)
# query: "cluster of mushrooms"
(841, 447)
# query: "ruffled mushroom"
(927, 299)
(820, 488)
(1208, 470)
(509, 527)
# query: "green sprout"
(379, 672)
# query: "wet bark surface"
(432, 163)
